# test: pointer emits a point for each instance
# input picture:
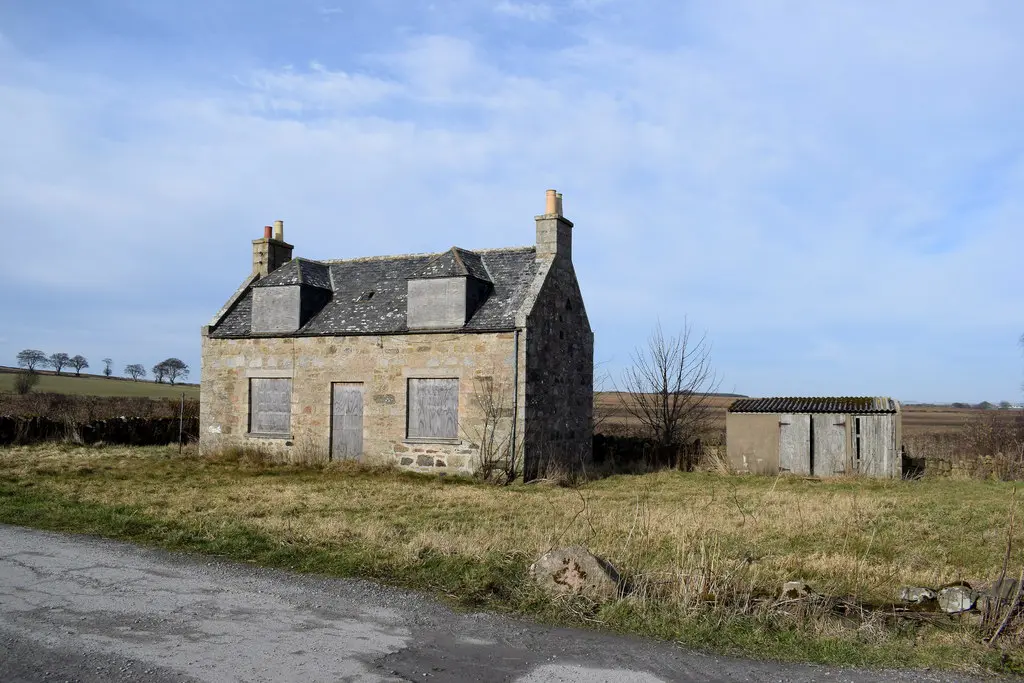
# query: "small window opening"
(365, 297)
(568, 304)
(856, 443)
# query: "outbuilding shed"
(815, 436)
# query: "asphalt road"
(84, 609)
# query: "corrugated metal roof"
(815, 404)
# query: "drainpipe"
(515, 392)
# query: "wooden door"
(795, 444)
(347, 421)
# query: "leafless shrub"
(25, 381)
(499, 460)
(309, 451)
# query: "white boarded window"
(270, 406)
(433, 408)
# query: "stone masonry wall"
(559, 395)
(382, 363)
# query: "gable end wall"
(559, 381)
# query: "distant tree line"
(171, 369)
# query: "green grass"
(705, 553)
(101, 386)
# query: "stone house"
(444, 362)
(824, 437)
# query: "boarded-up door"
(347, 421)
(795, 444)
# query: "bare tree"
(172, 369)
(30, 359)
(668, 385)
(79, 363)
(57, 361)
(108, 366)
(135, 371)
(159, 372)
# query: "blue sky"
(833, 191)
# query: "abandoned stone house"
(825, 437)
(444, 362)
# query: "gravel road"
(77, 608)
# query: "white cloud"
(530, 11)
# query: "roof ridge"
(458, 258)
(387, 257)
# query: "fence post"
(181, 422)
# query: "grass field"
(705, 553)
(92, 385)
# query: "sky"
(832, 191)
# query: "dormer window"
(285, 300)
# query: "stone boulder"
(575, 571)
(957, 598)
(795, 590)
(917, 595)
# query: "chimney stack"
(554, 232)
(271, 252)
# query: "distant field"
(92, 385)
(917, 419)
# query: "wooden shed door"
(347, 421)
(795, 444)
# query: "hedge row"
(130, 431)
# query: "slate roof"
(299, 271)
(815, 404)
(369, 294)
(456, 263)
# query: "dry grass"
(705, 553)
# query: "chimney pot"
(267, 231)
(279, 231)
(551, 203)
(558, 203)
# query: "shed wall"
(752, 442)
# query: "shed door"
(829, 444)
(795, 444)
(347, 421)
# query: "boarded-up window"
(270, 406)
(433, 408)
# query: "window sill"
(416, 440)
(258, 435)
